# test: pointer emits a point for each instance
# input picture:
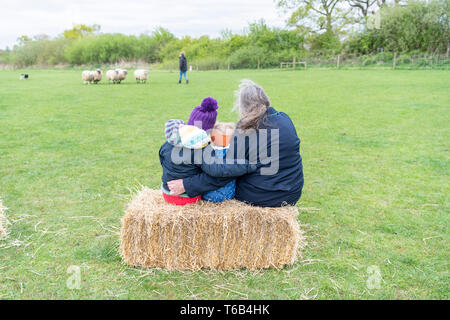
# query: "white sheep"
(97, 75)
(112, 75)
(91, 76)
(122, 74)
(141, 75)
(87, 76)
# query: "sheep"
(141, 75)
(97, 75)
(87, 76)
(91, 76)
(112, 75)
(116, 75)
(122, 74)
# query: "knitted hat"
(172, 133)
(204, 116)
(193, 137)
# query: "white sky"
(181, 17)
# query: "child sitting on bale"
(182, 155)
(220, 141)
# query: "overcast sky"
(181, 17)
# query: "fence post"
(293, 64)
(395, 60)
(258, 63)
(337, 63)
(228, 66)
(281, 66)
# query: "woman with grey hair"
(266, 137)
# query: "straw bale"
(219, 236)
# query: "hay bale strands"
(220, 236)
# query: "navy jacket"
(183, 64)
(180, 163)
(271, 190)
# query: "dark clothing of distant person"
(183, 69)
(183, 63)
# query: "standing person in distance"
(183, 67)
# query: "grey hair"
(252, 102)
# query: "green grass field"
(376, 156)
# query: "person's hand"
(176, 187)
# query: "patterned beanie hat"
(193, 137)
(204, 116)
(172, 133)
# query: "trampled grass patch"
(375, 148)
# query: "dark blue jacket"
(283, 187)
(183, 64)
(180, 163)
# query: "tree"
(41, 37)
(418, 26)
(80, 30)
(323, 14)
(363, 6)
(267, 38)
(383, 3)
(22, 40)
(234, 43)
(162, 36)
(226, 34)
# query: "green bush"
(166, 65)
(211, 63)
(423, 62)
(246, 57)
(384, 57)
(404, 59)
(414, 25)
(273, 59)
(325, 42)
(369, 61)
